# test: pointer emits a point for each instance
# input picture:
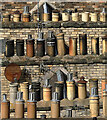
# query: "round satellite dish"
(12, 72)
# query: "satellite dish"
(12, 72)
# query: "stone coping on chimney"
(49, 24)
(81, 118)
(46, 60)
(64, 104)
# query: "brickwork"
(14, 34)
(96, 70)
(88, 71)
(82, 6)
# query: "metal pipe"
(93, 83)
(69, 113)
(43, 116)
(82, 93)
(60, 44)
(65, 16)
(94, 103)
(83, 44)
(104, 51)
(9, 48)
(31, 106)
(59, 89)
(26, 14)
(60, 79)
(94, 17)
(103, 85)
(35, 17)
(40, 45)
(95, 45)
(13, 94)
(55, 106)
(72, 46)
(51, 48)
(24, 87)
(47, 91)
(6, 17)
(70, 87)
(30, 46)
(46, 15)
(103, 16)
(19, 106)
(85, 16)
(51, 44)
(16, 16)
(105, 101)
(59, 76)
(5, 108)
(36, 89)
(19, 47)
(55, 16)
(75, 16)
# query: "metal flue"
(26, 9)
(70, 76)
(4, 98)
(94, 92)
(19, 95)
(55, 96)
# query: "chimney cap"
(40, 36)
(82, 81)
(55, 97)
(32, 97)
(5, 98)
(93, 79)
(94, 92)
(17, 12)
(20, 96)
(105, 88)
(70, 77)
(46, 84)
